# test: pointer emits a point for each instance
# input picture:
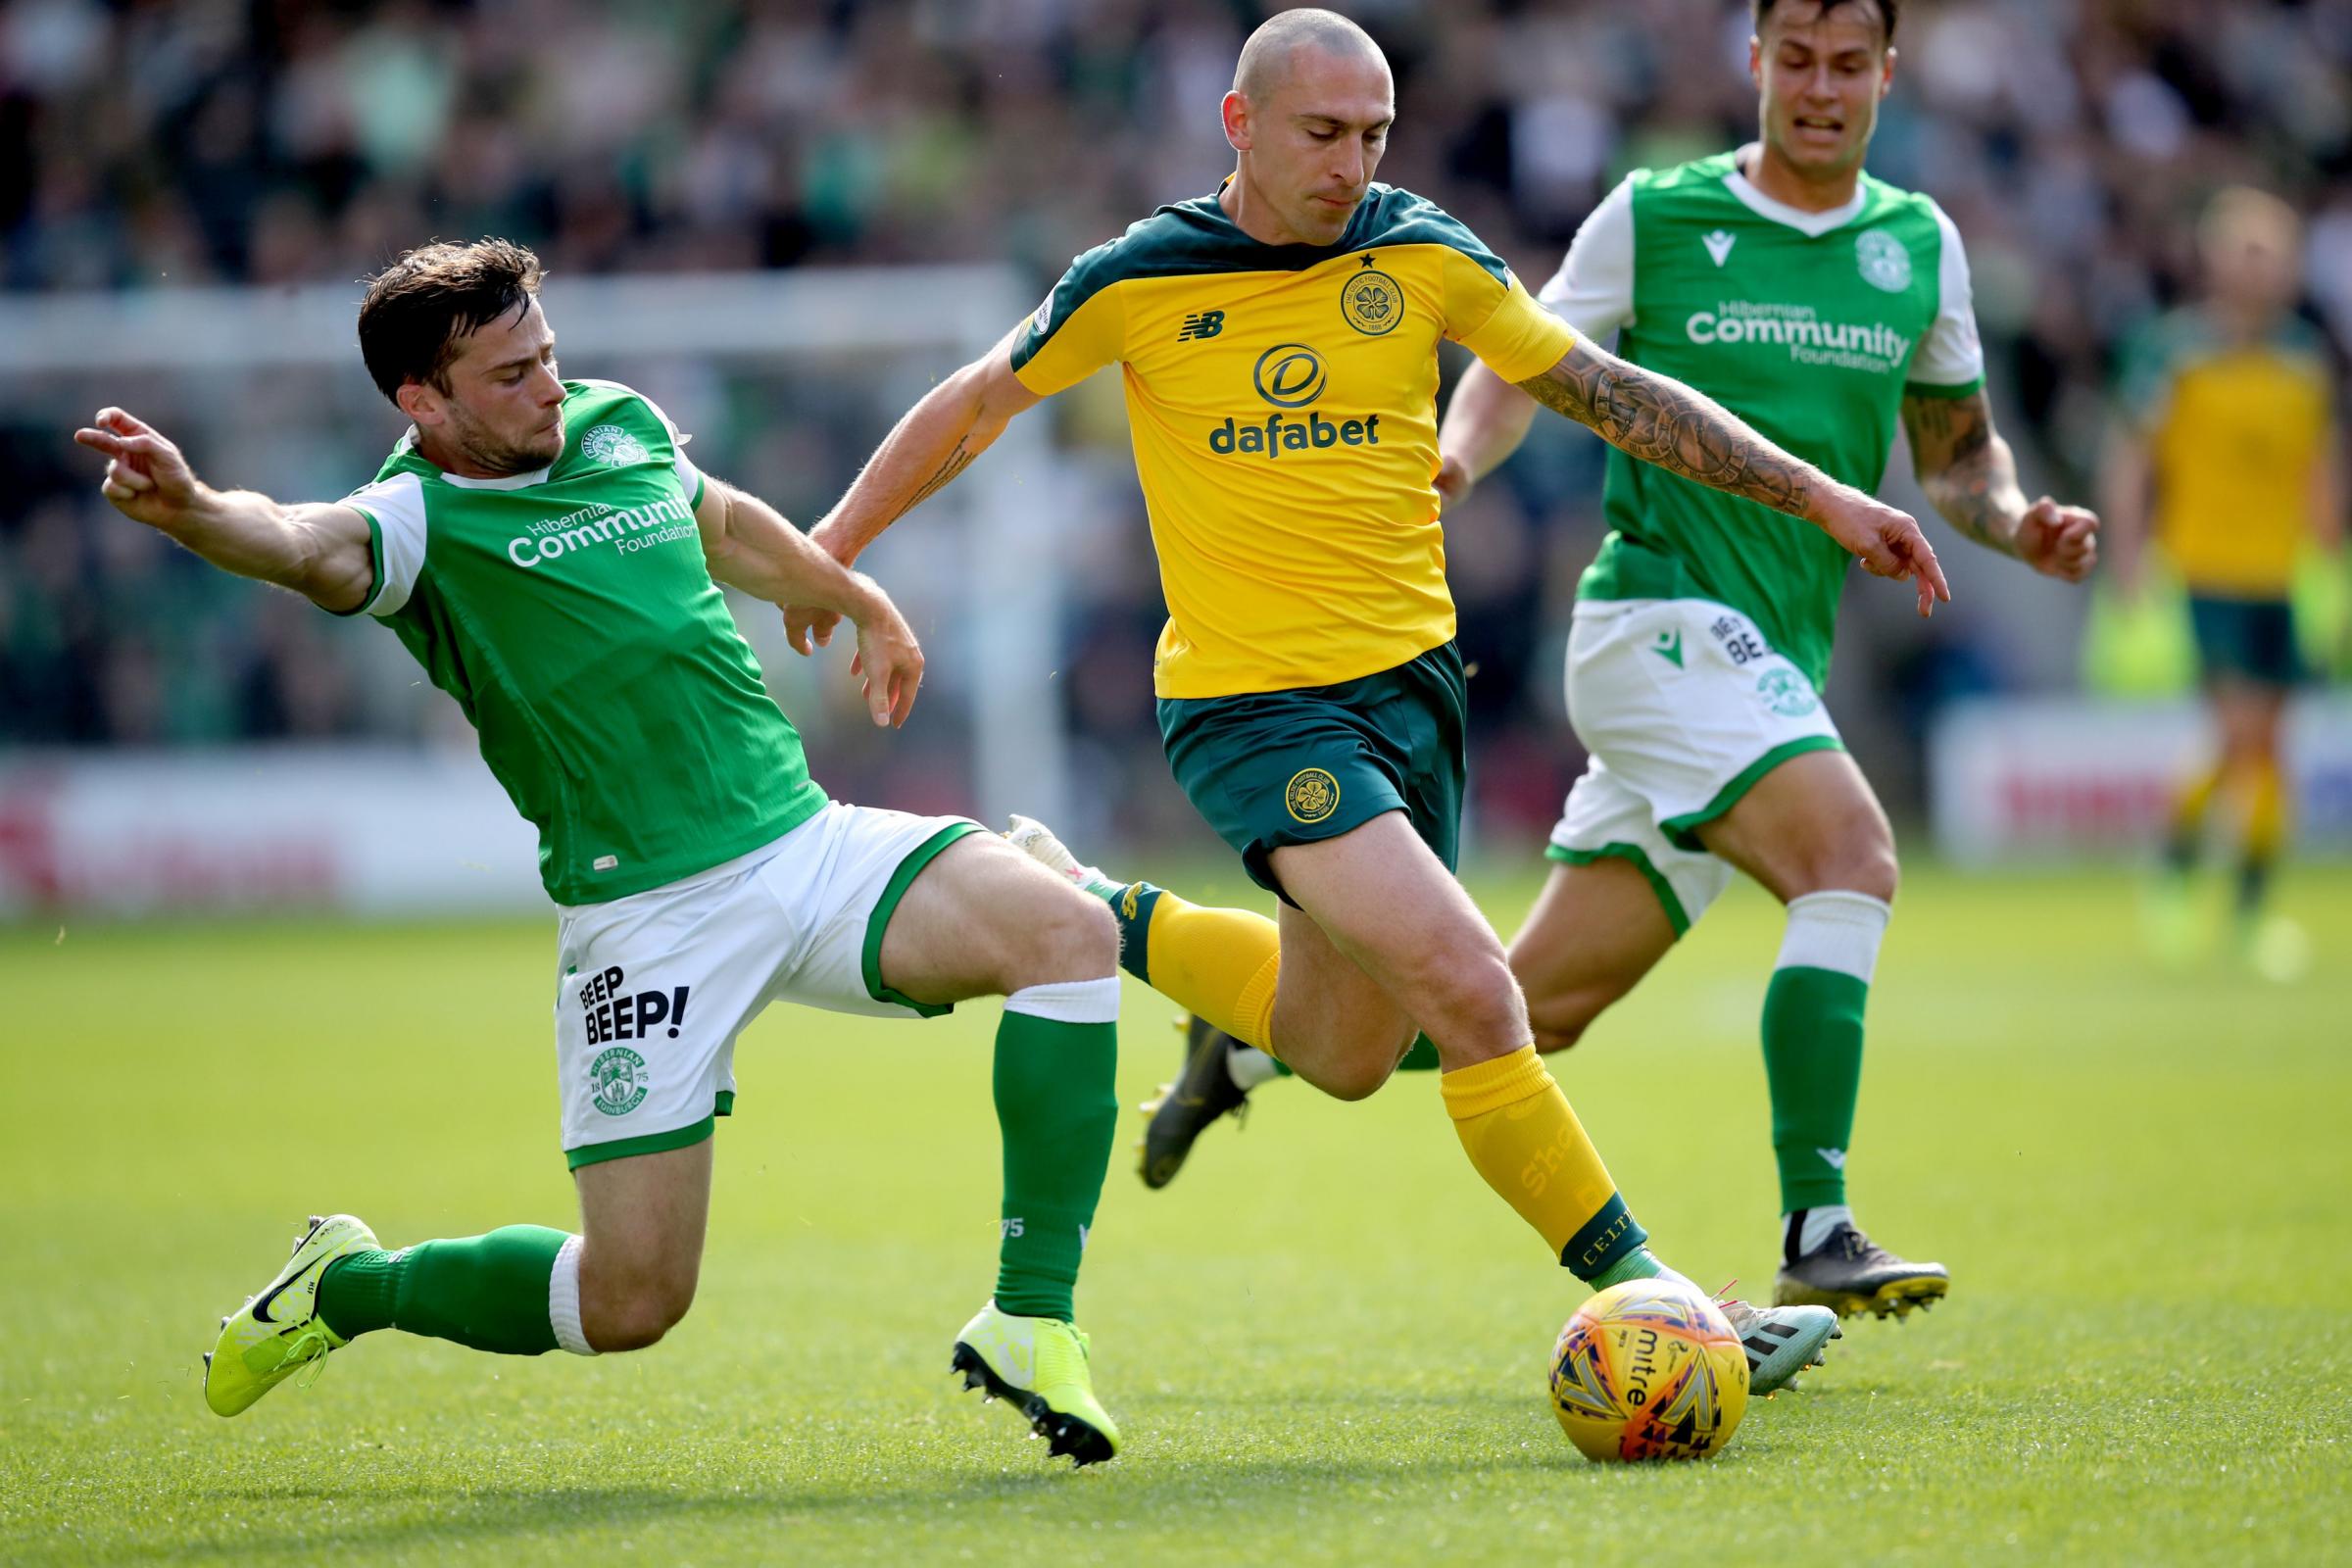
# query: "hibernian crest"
(1312, 794)
(621, 1081)
(613, 445)
(1884, 260)
(1786, 693)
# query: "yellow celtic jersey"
(1283, 404)
(2237, 432)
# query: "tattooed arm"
(1661, 421)
(1971, 475)
(936, 441)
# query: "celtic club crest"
(1371, 302)
(1312, 794)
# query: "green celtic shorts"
(1270, 768)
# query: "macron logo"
(1719, 245)
(1834, 1158)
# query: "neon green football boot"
(1039, 1364)
(279, 1331)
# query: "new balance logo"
(1669, 647)
(1719, 245)
(1206, 325)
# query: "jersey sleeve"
(690, 477)
(394, 508)
(1489, 313)
(1950, 362)
(1594, 289)
(1080, 328)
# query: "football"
(1648, 1370)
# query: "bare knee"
(632, 1312)
(1559, 1020)
(1068, 936)
(1472, 1000)
(1354, 1074)
(1873, 870)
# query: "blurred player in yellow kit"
(2230, 467)
(1278, 342)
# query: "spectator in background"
(2226, 462)
(149, 145)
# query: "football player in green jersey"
(548, 551)
(1822, 306)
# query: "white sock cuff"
(1837, 931)
(1069, 1001)
(564, 1300)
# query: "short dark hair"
(1886, 11)
(416, 309)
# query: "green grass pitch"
(1326, 1343)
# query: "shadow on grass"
(476, 1516)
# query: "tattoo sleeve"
(1660, 420)
(1965, 467)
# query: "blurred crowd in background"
(156, 144)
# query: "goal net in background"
(785, 381)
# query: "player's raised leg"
(521, 1289)
(1813, 834)
(983, 919)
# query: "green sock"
(1057, 1107)
(1423, 1057)
(1638, 1264)
(486, 1292)
(1813, 1063)
(1813, 1039)
(1132, 905)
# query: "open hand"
(146, 478)
(2059, 541)
(1886, 541)
(890, 661)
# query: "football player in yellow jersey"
(2228, 465)
(1278, 341)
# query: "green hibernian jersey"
(571, 613)
(1811, 327)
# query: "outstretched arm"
(937, 440)
(749, 545)
(1660, 420)
(1969, 474)
(320, 550)
(1484, 425)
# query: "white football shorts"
(1684, 707)
(652, 989)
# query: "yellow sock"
(1218, 964)
(2266, 811)
(2195, 799)
(1517, 1129)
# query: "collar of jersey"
(512, 481)
(1810, 224)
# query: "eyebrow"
(544, 349)
(1335, 122)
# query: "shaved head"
(1267, 56)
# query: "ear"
(420, 402)
(1235, 112)
(1755, 62)
(1886, 76)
